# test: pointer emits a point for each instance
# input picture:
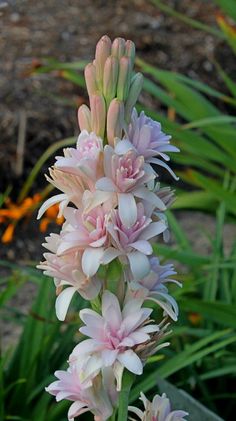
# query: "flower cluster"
(157, 410)
(113, 209)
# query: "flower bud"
(84, 118)
(98, 114)
(134, 91)
(118, 47)
(130, 51)
(103, 51)
(115, 120)
(90, 78)
(110, 78)
(124, 78)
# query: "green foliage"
(43, 348)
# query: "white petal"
(123, 146)
(91, 260)
(85, 347)
(77, 408)
(96, 199)
(143, 246)
(139, 264)
(109, 356)
(147, 195)
(63, 301)
(105, 184)
(109, 254)
(131, 361)
(51, 201)
(136, 411)
(163, 164)
(127, 209)
(152, 230)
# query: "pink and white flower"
(157, 410)
(87, 232)
(86, 160)
(132, 244)
(114, 336)
(126, 176)
(86, 396)
(68, 275)
(146, 137)
(72, 187)
(152, 287)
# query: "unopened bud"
(115, 120)
(98, 114)
(110, 78)
(118, 47)
(134, 91)
(124, 78)
(103, 51)
(84, 118)
(130, 51)
(90, 78)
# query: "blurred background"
(186, 51)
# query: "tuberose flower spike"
(113, 209)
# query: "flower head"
(133, 243)
(84, 160)
(152, 287)
(157, 410)
(68, 274)
(126, 176)
(114, 336)
(145, 136)
(86, 396)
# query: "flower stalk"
(113, 210)
(127, 381)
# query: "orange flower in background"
(195, 318)
(13, 212)
(51, 216)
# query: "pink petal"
(111, 310)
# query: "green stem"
(127, 382)
(34, 172)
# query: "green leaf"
(184, 358)
(189, 21)
(187, 257)
(228, 6)
(209, 121)
(218, 312)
